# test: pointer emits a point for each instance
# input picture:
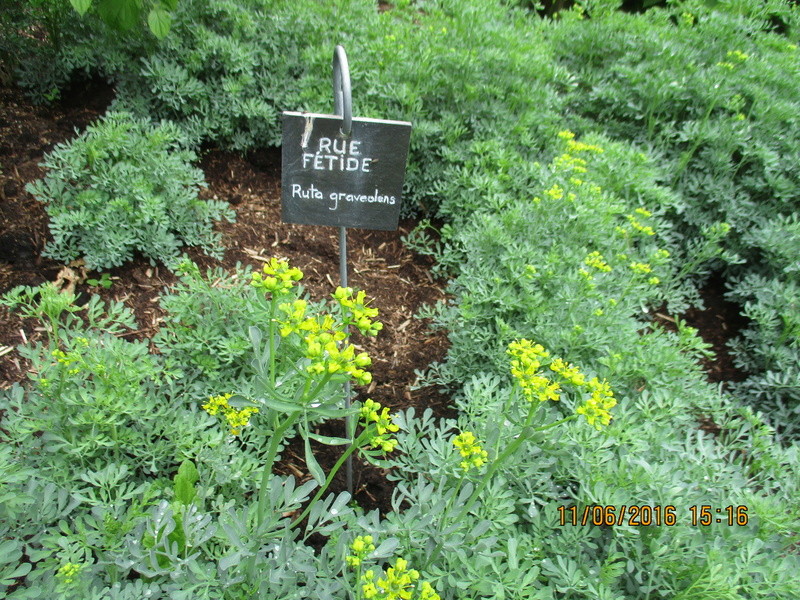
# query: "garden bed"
(398, 281)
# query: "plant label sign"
(329, 178)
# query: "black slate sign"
(346, 181)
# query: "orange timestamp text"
(644, 515)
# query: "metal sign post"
(343, 106)
(343, 172)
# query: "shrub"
(122, 186)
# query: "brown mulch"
(718, 322)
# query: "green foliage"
(568, 241)
(124, 14)
(104, 281)
(223, 74)
(123, 186)
(710, 90)
(517, 272)
(205, 328)
(137, 489)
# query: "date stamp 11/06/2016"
(645, 515)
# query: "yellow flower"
(597, 406)
(217, 403)
(67, 573)
(361, 547)
(369, 590)
(645, 229)
(567, 162)
(470, 450)
(556, 192)
(399, 582)
(525, 364)
(277, 277)
(575, 146)
(295, 316)
(427, 592)
(737, 55)
(569, 372)
(371, 412)
(596, 261)
(356, 312)
(235, 417)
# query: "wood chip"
(256, 254)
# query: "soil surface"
(398, 280)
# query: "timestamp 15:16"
(705, 514)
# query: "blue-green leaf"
(330, 441)
(313, 466)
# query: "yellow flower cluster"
(569, 372)
(645, 229)
(556, 192)
(525, 365)
(277, 278)
(322, 336)
(735, 58)
(237, 418)
(575, 146)
(371, 412)
(567, 162)
(356, 311)
(361, 547)
(596, 407)
(73, 357)
(641, 268)
(68, 359)
(67, 573)
(596, 261)
(399, 583)
(470, 450)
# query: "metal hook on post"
(343, 106)
(342, 96)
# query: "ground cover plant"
(126, 186)
(574, 404)
(721, 114)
